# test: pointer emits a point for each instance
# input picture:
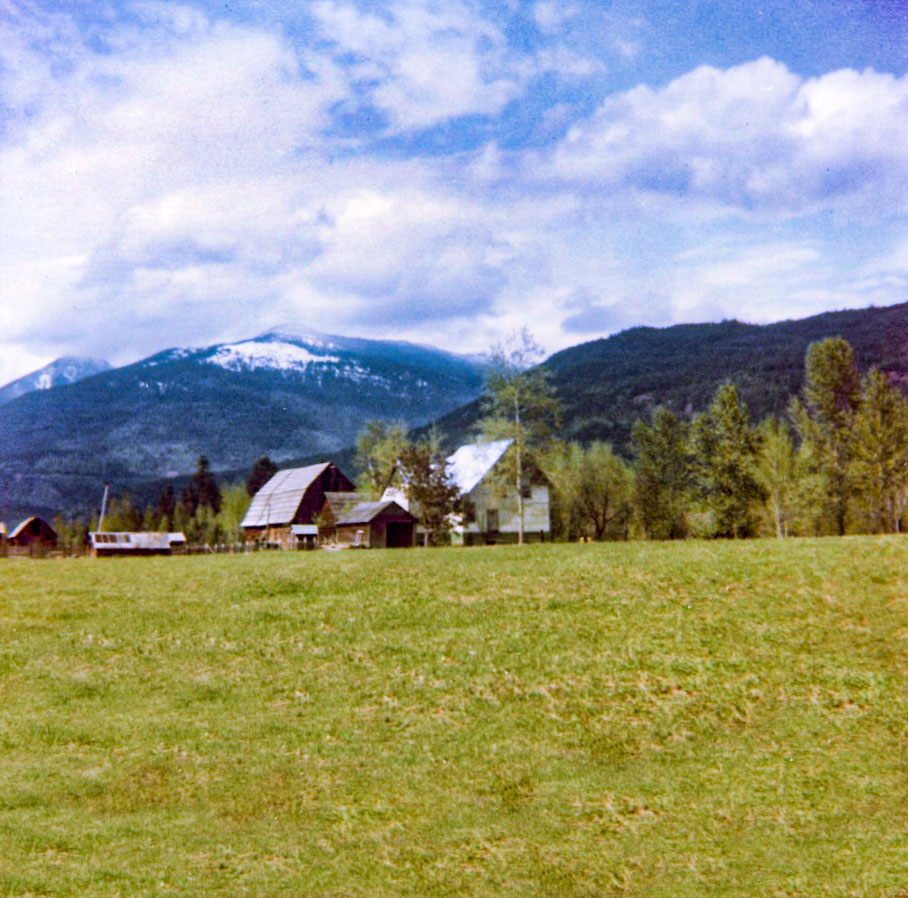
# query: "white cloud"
(174, 181)
(423, 62)
(755, 136)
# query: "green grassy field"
(696, 719)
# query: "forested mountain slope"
(606, 384)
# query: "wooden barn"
(374, 525)
(33, 531)
(291, 498)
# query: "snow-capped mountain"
(66, 370)
(287, 393)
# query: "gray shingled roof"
(277, 501)
(368, 511)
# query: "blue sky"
(443, 172)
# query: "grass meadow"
(693, 719)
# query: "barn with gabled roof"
(33, 531)
(291, 497)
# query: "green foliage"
(663, 483)
(430, 490)
(824, 422)
(724, 456)
(122, 515)
(776, 473)
(594, 491)
(717, 720)
(378, 450)
(878, 472)
(235, 499)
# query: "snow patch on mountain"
(256, 354)
(295, 334)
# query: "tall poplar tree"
(519, 404)
(832, 396)
(879, 453)
(776, 473)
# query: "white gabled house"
(490, 509)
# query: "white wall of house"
(485, 498)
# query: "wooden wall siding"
(536, 511)
(35, 530)
(333, 480)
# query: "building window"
(492, 519)
(469, 511)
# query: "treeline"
(206, 512)
(837, 463)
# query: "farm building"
(490, 504)
(371, 525)
(293, 497)
(33, 531)
(102, 544)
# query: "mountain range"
(67, 370)
(299, 396)
(286, 393)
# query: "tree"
(202, 490)
(594, 490)
(879, 453)
(378, 450)
(165, 507)
(432, 493)
(724, 452)
(832, 395)
(663, 475)
(234, 505)
(262, 471)
(777, 474)
(519, 404)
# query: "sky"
(182, 174)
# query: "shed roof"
(277, 501)
(470, 463)
(365, 512)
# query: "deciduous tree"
(879, 453)
(519, 404)
(832, 396)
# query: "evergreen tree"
(165, 507)
(519, 404)
(724, 451)
(202, 490)
(879, 453)
(832, 393)
(663, 475)
(262, 471)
